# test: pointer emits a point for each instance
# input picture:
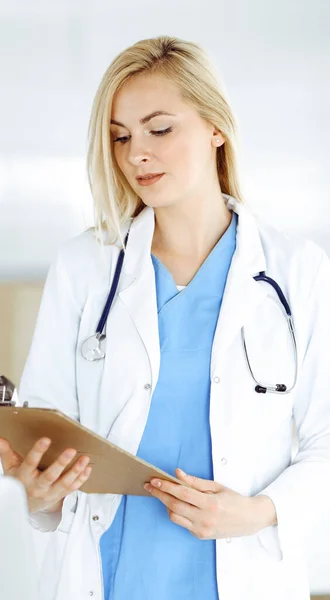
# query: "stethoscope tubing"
(260, 387)
(113, 290)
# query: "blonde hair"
(185, 64)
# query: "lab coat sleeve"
(49, 379)
(301, 493)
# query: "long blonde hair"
(186, 65)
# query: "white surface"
(18, 568)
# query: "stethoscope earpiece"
(279, 387)
(260, 389)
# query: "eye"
(122, 140)
(162, 131)
(159, 132)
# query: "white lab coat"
(251, 433)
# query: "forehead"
(144, 94)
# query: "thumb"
(9, 458)
(203, 485)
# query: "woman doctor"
(205, 365)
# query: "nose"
(138, 153)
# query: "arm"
(301, 493)
(48, 379)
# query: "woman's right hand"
(46, 489)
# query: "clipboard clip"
(7, 389)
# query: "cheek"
(181, 157)
(187, 164)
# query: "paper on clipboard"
(114, 471)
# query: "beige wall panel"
(19, 304)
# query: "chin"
(158, 202)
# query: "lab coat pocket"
(268, 540)
(273, 409)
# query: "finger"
(181, 492)
(174, 505)
(55, 470)
(68, 479)
(32, 459)
(182, 521)
(82, 478)
(56, 493)
(203, 485)
(4, 445)
(8, 456)
(66, 484)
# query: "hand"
(45, 489)
(211, 511)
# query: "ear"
(217, 139)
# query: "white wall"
(274, 58)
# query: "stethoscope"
(93, 348)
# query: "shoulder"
(299, 265)
(302, 270)
(290, 250)
(86, 246)
(284, 251)
(83, 264)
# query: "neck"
(190, 229)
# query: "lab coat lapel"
(241, 298)
(242, 294)
(139, 297)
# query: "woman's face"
(154, 131)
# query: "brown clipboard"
(114, 471)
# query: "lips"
(148, 176)
(149, 179)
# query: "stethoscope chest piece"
(94, 347)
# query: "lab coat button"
(147, 386)
(216, 379)
(228, 540)
(95, 517)
(224, 461)
(91, 593)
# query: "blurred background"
(274, 58)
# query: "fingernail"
(147, 487)
(156, 483)
(45, 443)
(69, 453)
(182, 472)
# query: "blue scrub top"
(145, 555)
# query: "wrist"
(54, 508)
(263, 512)
(48, 509)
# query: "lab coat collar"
(139, 242)
(241, 298)
(243, 295)
(249, 250)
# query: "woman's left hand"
(211, 511)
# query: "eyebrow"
(147, 118)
